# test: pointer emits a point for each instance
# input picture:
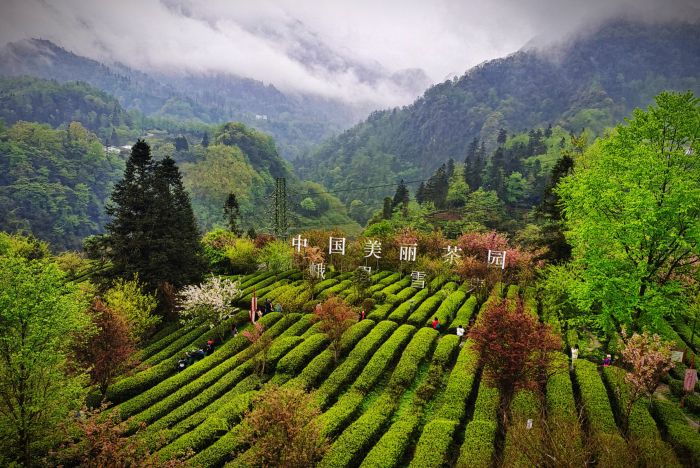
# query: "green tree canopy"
(633, 213)
(40, 317)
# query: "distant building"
(260, 116)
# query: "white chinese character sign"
(298, 242)
(367, 269)
(408, 252)
(452, 254)
(373, 248)
(497, 258)
(336, 245)
(318, 270)
(418, 279)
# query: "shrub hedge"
(389, 450)
(445, 349)
(299, 325)
(447, 310)
(228, 352)
(560, 394)
(215, 425)
(166, 335)
(357, 438)
(180, 346)
(220, 451)
(133, 386)
(380, 313)
(426, 310)
(175, 424)
(352, 365)
(525, 405)
(434, 443)
(382, 359)
(396, 287)
(313, 372)
(464, 313)
(405, 309)
(387, 280)
(354, 334)
(641, 425)
(599, 414)
(341, 413)
(478, 449)
(296, 359)
(334, 290)
(684, 439)
(460, 383)
(417, 349)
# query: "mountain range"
(591, 81)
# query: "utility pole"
(280, 204)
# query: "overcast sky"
(324, 47)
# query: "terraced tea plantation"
(402, 394)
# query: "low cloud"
(339, 50)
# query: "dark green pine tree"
(420, 193)
(114, 138)
(549, 211)
(181, 143)
(450, 168)
(388, 208)
(232, 212)
(153, 232)
(494, 172)
(401, 196)
(437, 187)
(205, 139)
(473, 166)
(129, 208)
(502, 137)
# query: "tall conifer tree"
(153, 232)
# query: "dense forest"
(590, 82)
(296, 122)
(57, 174)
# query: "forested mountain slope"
(590, 82)
(296, 122)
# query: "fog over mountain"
(377, 54)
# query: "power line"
(357, 188)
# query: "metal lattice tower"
(280, 206)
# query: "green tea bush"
(389, 451)
(357, 438)
(426, 310)
(684, 439)
(417, 349)
(434, 443)
(350, 368)
(448, 309)
(464, 314)
(130, 387)
(460, 383)
(405, 309)
(166, 335)
(382, 359)
(479, 446)
(387, 280)
(295, 360)
(599, 415)
(228, 352)
(341, 413)
(380, 313)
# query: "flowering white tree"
(211, 301)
